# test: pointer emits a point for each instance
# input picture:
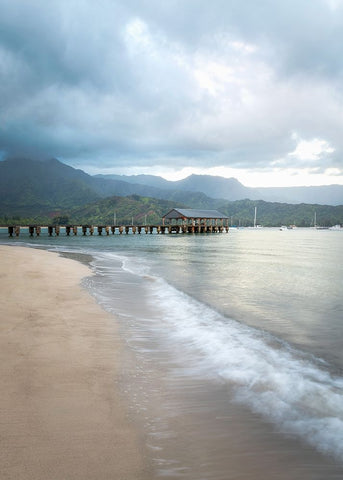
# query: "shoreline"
(62, 413)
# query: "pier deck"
(56, 230)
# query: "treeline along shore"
(51, 193)
(146, 212)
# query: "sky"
(251, 90)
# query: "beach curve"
(62, 415)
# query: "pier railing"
(56, 230)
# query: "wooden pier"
(175, 221)
(83, 230)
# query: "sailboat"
(255, 216)
(318, 227)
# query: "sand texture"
(61, 414)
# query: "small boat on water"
(318, 227)
(336, 227)
(290, 227)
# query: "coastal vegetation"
(146, 210)
(274, 214)
(50, 193)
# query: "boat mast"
(255, 218)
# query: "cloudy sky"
(249, 89)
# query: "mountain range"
(45, 189)
(231, 189)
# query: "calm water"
(234, 358)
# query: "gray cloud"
(189, 83)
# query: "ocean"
(233, 346)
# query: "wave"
(286, 386)
(290, 388)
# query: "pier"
(84, 230)
(175, 221)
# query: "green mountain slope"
(43, 192)
(35, 187)
(273, 214)
(134, 208)
(41, 187)
(231, 189)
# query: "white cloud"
(311, 149)
(334, 4)
(131, 84)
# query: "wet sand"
(62, 415)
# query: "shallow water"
(234, 360)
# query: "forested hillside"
(51, 192)
(273, 214)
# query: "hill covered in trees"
(274, 214)
(141, 210)
(51, 192)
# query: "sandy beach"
(62, 415)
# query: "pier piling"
(127, 229)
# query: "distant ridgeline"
(50, 192)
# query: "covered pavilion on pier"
(197, 218)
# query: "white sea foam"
(284, 385)
(105, 260)
(287, 387)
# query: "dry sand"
(61, 414)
